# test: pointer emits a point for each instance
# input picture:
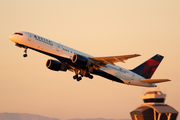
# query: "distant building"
(154, 108)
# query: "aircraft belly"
(102, 73)
(124, 76)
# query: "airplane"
(84, 65)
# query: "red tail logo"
(150, 67)
(147, 69)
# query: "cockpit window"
(18, 33)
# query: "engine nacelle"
(55, 65)
(80, 60)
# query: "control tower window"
(156, 100)
(18, 33)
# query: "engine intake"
(80, 60)
(55, 65)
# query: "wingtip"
(138, 54)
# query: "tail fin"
(148, 68)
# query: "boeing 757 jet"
(84, 65)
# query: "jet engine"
(80, 60)
(55, 65)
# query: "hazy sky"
(96, 27)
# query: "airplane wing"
(154, 80)
(112, 59)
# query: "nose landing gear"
(25, 55)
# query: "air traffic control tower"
(154, 108)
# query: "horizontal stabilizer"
(154, 80)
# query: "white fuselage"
(45, 45)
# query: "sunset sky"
(96, 27)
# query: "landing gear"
(25, 55)
(89, 76)
(77, 78)
(82, 73)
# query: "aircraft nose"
(11, 37)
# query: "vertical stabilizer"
(148, 68)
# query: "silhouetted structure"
(154, 108)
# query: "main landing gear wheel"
(77, 78)
(89, 76)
